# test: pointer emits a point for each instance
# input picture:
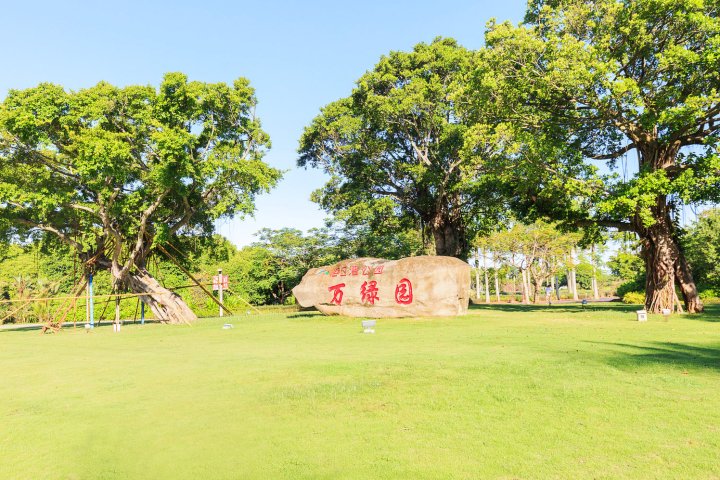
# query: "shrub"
(630, 287)
(709, 294)
(634, 297)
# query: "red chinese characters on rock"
(369, 292)
(354, 270)
(403, 292)
(337, 293)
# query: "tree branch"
(142, 229)
(621, 226)
(615, 154)
(47, 228)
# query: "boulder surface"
(375, 288)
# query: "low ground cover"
(504, 392)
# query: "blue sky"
(299, 56)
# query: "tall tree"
(289, 255)
(380, 232)
(399, 136)
(113, 172)
(586, 81)
(538, 250)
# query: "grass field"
(506, 392)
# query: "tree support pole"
(190, 276)
(220, 289)
(91, 306)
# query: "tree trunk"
(167, 306)
(477, 275)
(538, 289)
(450, 236)
(497, 286)
(487, 285)
(596, 293)
(658, 251)
(664, 260)
(573, 273)
(665, 265)
(514, 289)
(572, 276)
(525, 293)
(684, 279)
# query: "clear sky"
(299, 56)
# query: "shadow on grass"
(24, 327)
(558, 307)
(664, 353)
(305, 315)
(711, 314)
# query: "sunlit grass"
(506, 392)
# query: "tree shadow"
(663, 353)
(67, 326)
(306, 315)
(711, 314)
(556, 307)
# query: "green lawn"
(506, 392)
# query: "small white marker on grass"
(368, 326)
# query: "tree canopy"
(399, 136)
(701, 244)
(587, 81)
(113, 171)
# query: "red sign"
(224, 281)
(354, 270)
(337, 293)
(403, 292)
(369, 292)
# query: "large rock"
(372, 287)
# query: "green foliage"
(637, 285)
(261, 274)
(634, 298)
(701, 244)
(379, 232)
(587, 81)
(592, 81)
(627, 266)
(128, 167)
(265, 272)
(398, 142)
(630, 268)
(288, 256)
(709, 294)
(538, 247)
